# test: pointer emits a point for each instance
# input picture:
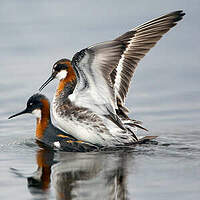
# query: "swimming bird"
(46, 132)
(89, 102)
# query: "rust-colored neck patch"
(71, 76)
(44, 121)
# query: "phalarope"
(97, 82)
(46, 132)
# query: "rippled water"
(165, 95)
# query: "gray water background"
(164, 94)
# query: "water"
(164, 94)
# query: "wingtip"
(179, 15)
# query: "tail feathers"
(122, 112)
(133, 134)
(133, 123)
(136, 125)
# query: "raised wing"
(93, 66)
(137, 43)
(104, 71)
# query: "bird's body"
(93, 109)
(46, 132)
(89, 125)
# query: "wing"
(104, 71)
(93, 66)
(137, 43)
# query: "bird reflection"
(40, 181)
(94, 175)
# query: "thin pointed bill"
(20, 113)
(47, 82)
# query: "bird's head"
(60, 71)
(36, 105)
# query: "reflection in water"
(40, 181)
(96, 175)
(89, 176)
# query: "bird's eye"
(30, 104)
(55, 68)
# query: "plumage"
(103, 74)
(138, 42)
(46, 133)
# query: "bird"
(89, 102)
(46, 133)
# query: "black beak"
(20, 113)
(47, 81)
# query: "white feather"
(61, 75)
(57, 144)
(37, 113)
(120, 66)
(97, 96)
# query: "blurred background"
(164, 94)
(165, 89)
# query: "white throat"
(37, 113)
(61, 75)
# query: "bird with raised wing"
(89, 101)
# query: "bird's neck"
(67, 84)
(43, 122)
